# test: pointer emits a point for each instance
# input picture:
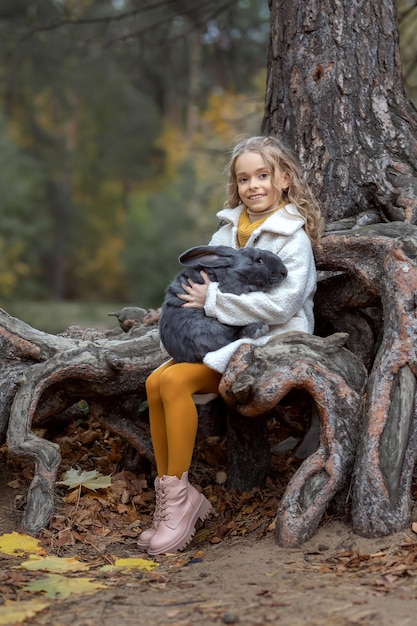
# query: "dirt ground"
(334, 579)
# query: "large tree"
(335, 92)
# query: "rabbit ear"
(209, 256)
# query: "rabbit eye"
(260, 261)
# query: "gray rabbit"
(188, 334)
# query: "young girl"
(269, 206)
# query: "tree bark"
(335, 94)
(248, 452)
(384, 258)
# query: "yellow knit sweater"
(246, 226)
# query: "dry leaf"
(57, 586)
(16, 543)
(53, 564)
(136, 563)
(92, 480)
(16, 612)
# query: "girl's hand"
(195, 296)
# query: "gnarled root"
(258, 378)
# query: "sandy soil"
(335, 579)
(256, 582)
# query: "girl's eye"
(264, 175)
(242, 180)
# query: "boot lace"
(159, 504)
(162, 505)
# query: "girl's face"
(256, 187)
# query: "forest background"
(115, 121)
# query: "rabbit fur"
(188, 334)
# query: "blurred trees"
(114, 120)
(115, 116)
(407, 22)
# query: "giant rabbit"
(188, 334)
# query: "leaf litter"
(108, 506)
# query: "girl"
(270, 206)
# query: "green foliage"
(80, 122)
(56, 316)
(23, 224)
(407, 10)
(159, 227)
(93, 189)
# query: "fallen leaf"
(57, 586)
(53, 564)
(136, 563)
(72, 497)
(14, 484)
(12, 612)
(201, 535)
(221, 478)
(16, 543)
(92, 480)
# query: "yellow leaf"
(136, 563)
(57, 586)
(16, 543)
(16, 612)
(201, 535)
(53, 564)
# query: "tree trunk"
(335, 94)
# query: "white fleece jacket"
(288, 306)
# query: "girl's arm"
(276, 306)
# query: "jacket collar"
(286, 221)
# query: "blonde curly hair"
(279, 158)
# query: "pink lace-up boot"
(181, 506)
(145, 538)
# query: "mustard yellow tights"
(172, 412)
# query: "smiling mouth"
(258, 197)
